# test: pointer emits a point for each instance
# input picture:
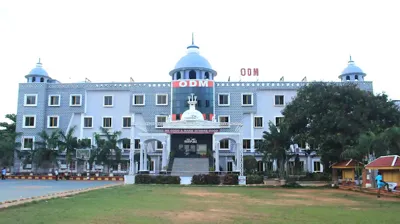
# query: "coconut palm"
(68, 143)
(106, 151)
(276, 145)
(46, 150)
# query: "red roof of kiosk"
(385, 161)
(347, 163)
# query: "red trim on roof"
(385, 161)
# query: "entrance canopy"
(192, 122)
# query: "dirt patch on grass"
(319, 199)
(213, 215)
(200, 193)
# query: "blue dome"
(352, 68)
(38, 71)
(193, 60)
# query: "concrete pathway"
(17, 189)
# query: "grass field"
(175, 204)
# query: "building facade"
(192, 116)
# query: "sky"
(111, 41)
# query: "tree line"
(337, 122)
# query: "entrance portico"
(236, 147)
(148, 138)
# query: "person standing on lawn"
(3, 173)
(381, 184)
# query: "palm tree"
(276, 145)
(46, 150)
(107, 150)
(68, 143)
(391, 137)
(7, 141)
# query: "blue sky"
(115, 40)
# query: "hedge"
(231, 179)
(254, 179)
(147, 179)
(206, 179)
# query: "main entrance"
(191, 145)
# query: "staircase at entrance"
(190, 166)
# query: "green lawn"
(175, 204)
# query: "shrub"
(254, 179)
(143, 179)
(231, 179)
(147, 179)
(205, 179)
(292, 185)
(316, 177)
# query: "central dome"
(193, 59)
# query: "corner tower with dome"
(193, 123)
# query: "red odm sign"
(249, 71)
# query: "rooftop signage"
(249, 71)
(192, 83)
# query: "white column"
(217, 156)
(145, 157)
(239, 157)
(131, 162)
(252, 132)
(275, 165)
(164, 157)
(141, 156)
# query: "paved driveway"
(16, 189)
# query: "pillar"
(164, 157)
(217, 156)
(141, 156)
(239, 147)
(335, 180)
(364, 178)
(131, 161)
(275, 165)
(145, 157)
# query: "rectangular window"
(317, 166)
(257, 143)
(246, 144)
(207, 103)
(86, 143)
(178, 117)
(107, 122)
(279, 100)
(223, 99)
(27, 143)
(162, 99)
(30, 100)
(75, 100)
(88, 122)
(278, 121)
(126, 122)
(54, 100)
(159, 145)
(223, 121)
(138, 100)
(160, 120)
(260, 166)
(198, 103)
(258, 122)
(229, 166)
(224, 144)
(108, 101)
(247, 99)
(29, 121)
(126, 143)
(52, 121)
(137, 143)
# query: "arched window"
(356, 77)
(192, 74)
(41, 79)
(178, 75)
(347, 78)
(33, 79)
(207, 75)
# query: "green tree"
(8, 144)
(106, 151)
(334, 116)
(249, 165)
(68, 143)
(46, 150)
(276, 145)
